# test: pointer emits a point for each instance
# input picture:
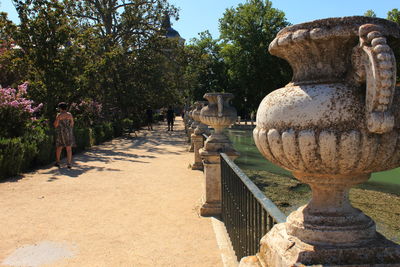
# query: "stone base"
(278, 249)
(250, 261)
(210, 209)
(197, 166)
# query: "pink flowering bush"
(87, 113)
(16, 111)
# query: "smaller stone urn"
(197, 137)
(201, 127)
(219, 115)
(190, 129)
(189, 120)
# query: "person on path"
(170, 118)
(149, 118)
(64, 125)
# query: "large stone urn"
(334, 124)
(219, 115)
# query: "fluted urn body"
(335, 123)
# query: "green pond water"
(250, 158)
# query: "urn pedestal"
(332, 126)
(219, 115)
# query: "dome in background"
(169, 31)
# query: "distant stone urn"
(219, 114)
(201, 127)
(332, 126)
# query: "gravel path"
(129, 202)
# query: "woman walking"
(64, 125)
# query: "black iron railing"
(247, 213)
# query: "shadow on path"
(76, 171)
(158, 141)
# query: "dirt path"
(130, 202)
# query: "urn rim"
(225, 95)
(349, 22)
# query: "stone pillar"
(218, 114)
(198, 143)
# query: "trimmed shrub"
(30, 151)
(108, 131)
(99, 135)
(127, 125)
(47, 150)
(84, 138)
(11, 156)
(118, 129)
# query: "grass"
(383, 206)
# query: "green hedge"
(117, 128)
(11, 156)
(47, 150)
(99, 134)
(108, 131)
(84, 138)
(37, 147)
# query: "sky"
(200, 15)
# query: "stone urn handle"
(220, 102)
(375, 64)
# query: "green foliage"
(84, 138)
(46, 149)
(247, 31)
(370, 13)
(127, 125)
(37, 141)
(46, 35)
(13, 127)
(117, 128)
(30, 151)
(206, 70)
(108, 131)
(394, 15)
(11, 156)
(99, 134)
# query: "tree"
(394, 15)
(206, 70)
(246, 32)
(128, 22)
(370, 13)
(47, 36)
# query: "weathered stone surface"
(332, 126)
(278, 249)
(219, 115)
(198, 142)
